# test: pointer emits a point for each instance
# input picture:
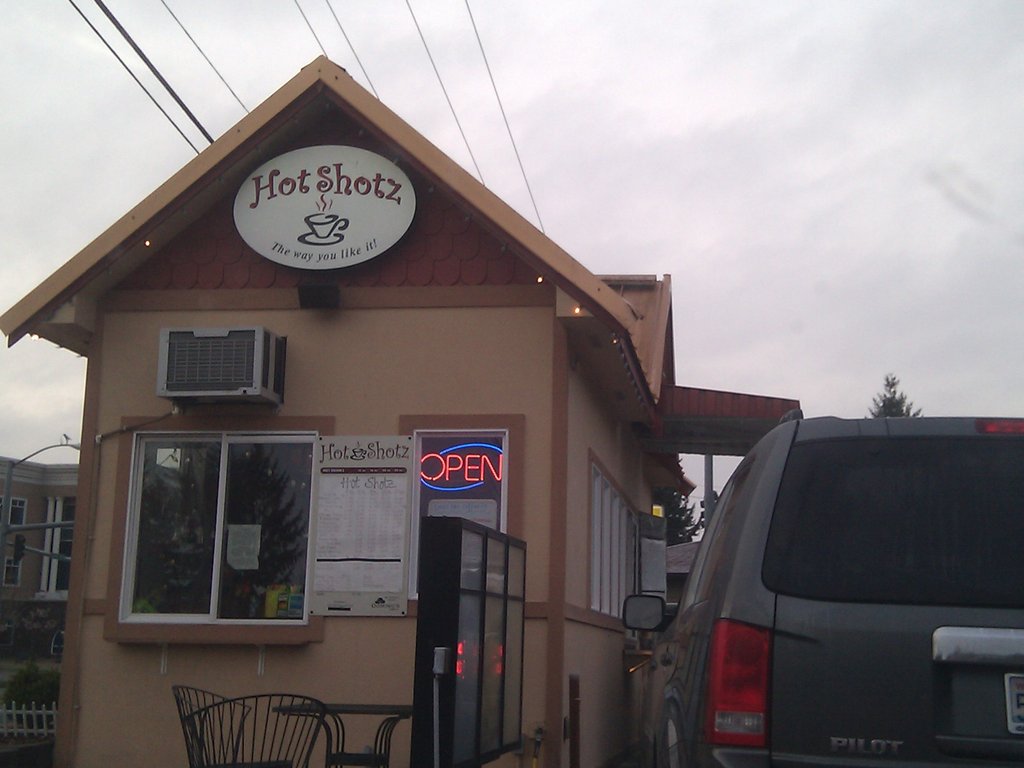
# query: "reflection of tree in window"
(177, 522)
(268, 487)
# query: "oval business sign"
(324, 207)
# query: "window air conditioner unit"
(221, 364)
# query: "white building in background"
(34, 588)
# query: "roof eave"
(501, 219)
(125, 240)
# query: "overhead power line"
(504, 117)
(195, 121)
(310, 27)
(352, 48)
(153, 69)
(134, 77)
(445, 91)
(203, 54)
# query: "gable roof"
(63, 307)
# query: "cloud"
(837, 188)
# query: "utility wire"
(156, 73)
(504, 117)
(445, 91)
(352, 48)
(201, 53)
(154, 70)
(303, 14)
(136, 79)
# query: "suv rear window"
(933, 521)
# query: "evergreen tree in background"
(681, 520)
(891, 402)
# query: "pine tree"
(681, 519)
(891, 402)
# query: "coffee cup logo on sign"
(324, 207)
(324, 229)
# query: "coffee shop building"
(316, 336)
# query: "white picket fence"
(28, 719)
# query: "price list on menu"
(362, 521)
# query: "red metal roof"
(708, 421)
(691, 401)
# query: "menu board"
(361, 531)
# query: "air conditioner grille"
(196, 364)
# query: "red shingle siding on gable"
(443, 247)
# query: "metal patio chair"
(379, 757)
(269, 730)
(188, 699)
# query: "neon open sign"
(462, 467)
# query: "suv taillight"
(1000, 426)
(738, 685)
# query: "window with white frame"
(613, 544)
(218, 528)
(12, 572)
(57, 570)
(18, 507)
(12, 569)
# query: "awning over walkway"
(708, 421)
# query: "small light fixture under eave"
(540, 278)
(148, 243)
(577, 309)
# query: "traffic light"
(19, 547)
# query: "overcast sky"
(836, 188)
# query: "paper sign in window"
(244, 547)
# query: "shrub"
(32, 684)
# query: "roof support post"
(709, 487)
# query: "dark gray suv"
(857, 600)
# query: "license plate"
(1015, 703)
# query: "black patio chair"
(188, 699)
(380, 757)
(269, 730)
